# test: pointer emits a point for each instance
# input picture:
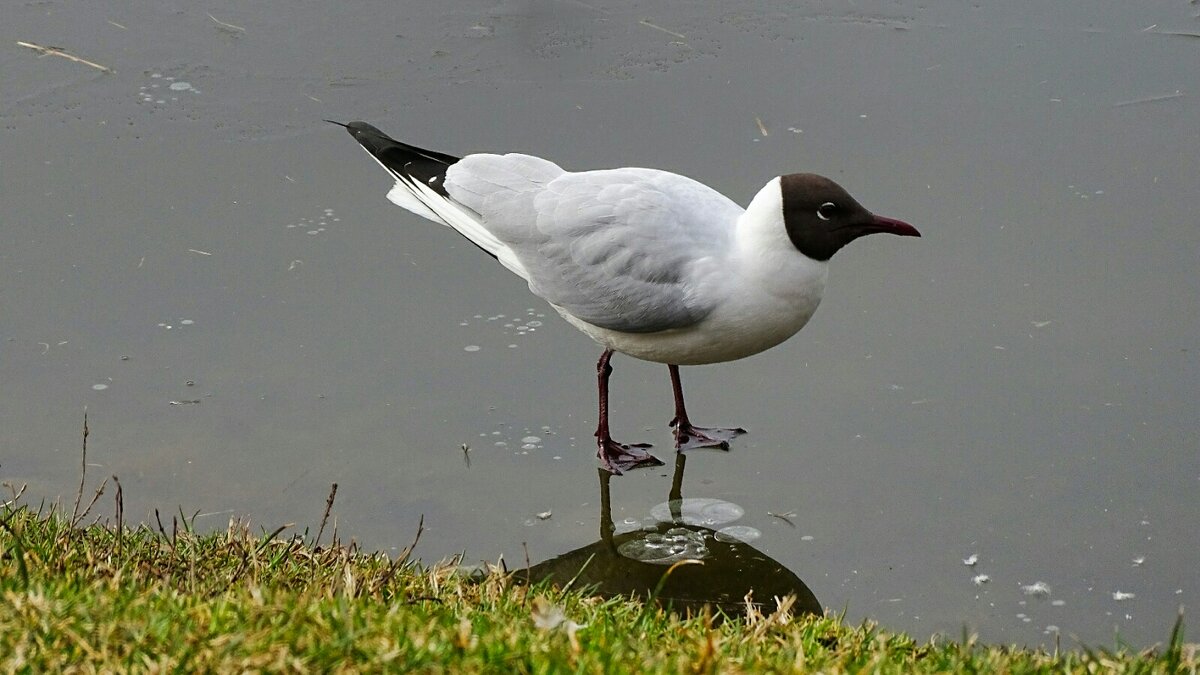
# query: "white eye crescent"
(825, 210)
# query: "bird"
(646, 262)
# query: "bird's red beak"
(893, 226)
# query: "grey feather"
(621, 249)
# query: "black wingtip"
(409, 164)
(370, 137)
(375, 141)
(402, 159)
(395, 155)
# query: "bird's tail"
(417, 171)
(420, 186)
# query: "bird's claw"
(617, 458)
(688, 437)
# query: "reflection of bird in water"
(636, 563)
(645, 262)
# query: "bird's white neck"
(768, 258)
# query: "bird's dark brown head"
(821, 217)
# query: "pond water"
(993, 426)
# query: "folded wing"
(623, 249)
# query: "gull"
(648, 263)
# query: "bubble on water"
(99, 387)
(668, 548)
(187, 322)
(732, 533)
(627, 525)
(529, 446)
(702, 511)
(471, 348)
(1122, 595)
(531, 439)
(181, 86)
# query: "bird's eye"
(826, 210)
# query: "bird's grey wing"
(486, 183)
(623, 249)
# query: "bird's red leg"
(689, 437)
(616, 457)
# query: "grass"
(102, 597)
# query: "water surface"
(190, 253)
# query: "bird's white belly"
(732, 331)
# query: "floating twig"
(1178, 33)
(230, 26)
(1148, 99)
(54, 51)
(762, 128)
(658, 27)
(785, 517)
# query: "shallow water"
(190, 253)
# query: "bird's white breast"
(768, 289)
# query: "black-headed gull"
(645, 262)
